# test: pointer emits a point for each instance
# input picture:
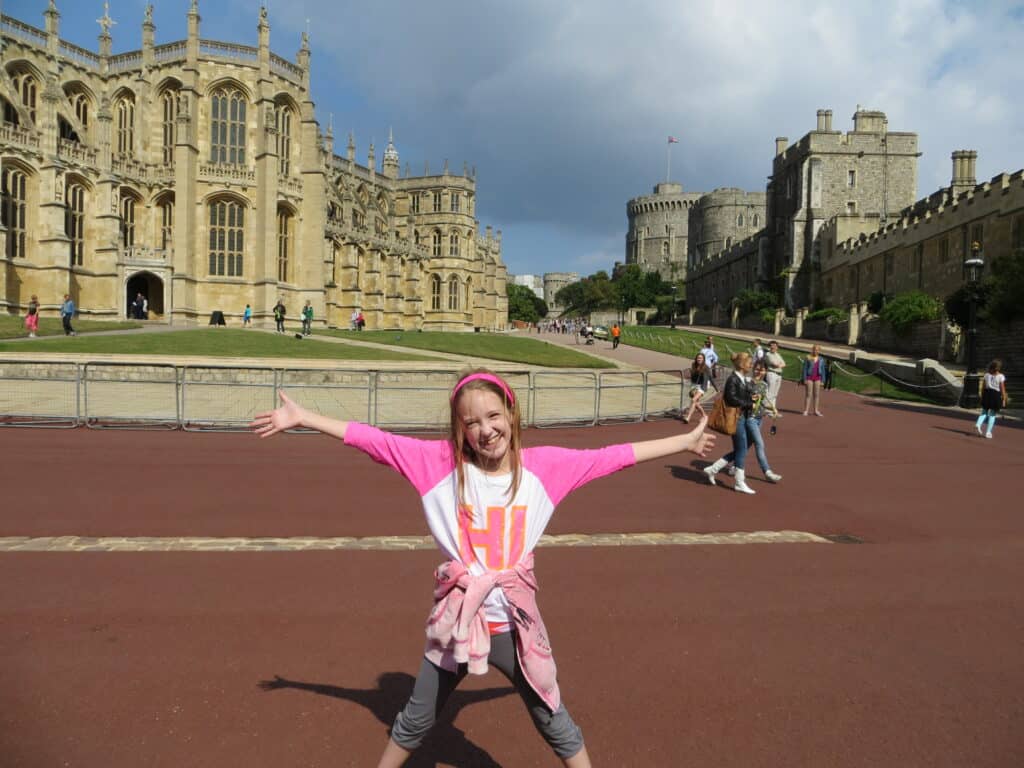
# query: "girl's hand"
(288, 416)
(699, 440)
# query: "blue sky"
(565, 108)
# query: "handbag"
(723, 417)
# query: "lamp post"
(973, 267)
(672, 314)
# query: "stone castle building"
(196, 173)
(869, 172)
(534, 282)
(721, 218)
(671, 230)
(658, 235)
(843, 223)
(553, 283)
(923, 248)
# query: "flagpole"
(668, 163)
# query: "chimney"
(821, 120)
(781, 142)
(964, 161)
(828, 120)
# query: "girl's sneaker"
(773, 476)
(988, 435)
(977, 428)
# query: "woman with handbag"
(736, 404)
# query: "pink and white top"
(493, 533)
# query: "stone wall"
(823, 330)
(1005, 343)
(923, 340)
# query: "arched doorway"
(152, 289)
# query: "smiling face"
(486, 428)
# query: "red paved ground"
(904, 651)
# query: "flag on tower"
(673, 140)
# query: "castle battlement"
(935, 210)
(725, 257)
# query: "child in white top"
(487, 501)
(992, 389)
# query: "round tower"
(722, 218)
(659, 230)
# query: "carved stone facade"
(196, 173)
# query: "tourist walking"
(616, 333)
(813, 378)
(487, 501)
(738, 393)
(307, 319)
(710, 356)
(762, 406)
(776, 363)
(67, 312)
(992, 389)
(279, 314)
(247, 316)
(32, 317)
(700, 380)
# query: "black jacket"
(738, 394)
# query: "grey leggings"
(434, 685)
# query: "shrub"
(768, 317)
(958, 307)
(908, 308)
(876, 301)
(1006, 300)
(830, 314)
(750, 301)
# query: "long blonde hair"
(462, 451)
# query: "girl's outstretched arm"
(291, 415)
(696, 441)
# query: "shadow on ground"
(446, 744)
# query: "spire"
(305, 39)
(193, 9)
(391, 157)
(264, 21)
(351, 152)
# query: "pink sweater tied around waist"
(457, 631)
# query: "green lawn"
(13, 326)
(516, 349)
(686, 344)
(210, 342)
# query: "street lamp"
(973, 267)
(672, 313)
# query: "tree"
(524, 304)
(589, 294)
(1006, 297)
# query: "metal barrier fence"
(214, 397)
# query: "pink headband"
(490, 377)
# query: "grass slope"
(516, 349)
